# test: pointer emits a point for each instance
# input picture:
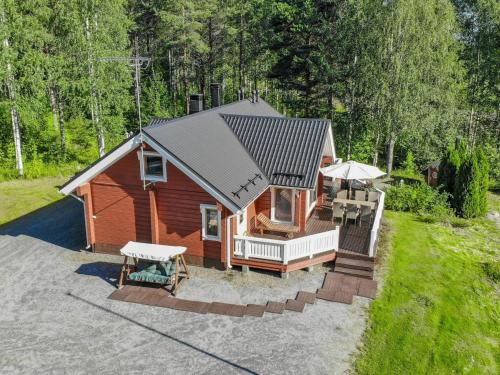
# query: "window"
(153, 166)
(282, 205)
(211, 222)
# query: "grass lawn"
(19, 197)
(438, 312)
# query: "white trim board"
(134, 142)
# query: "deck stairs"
(354, 265)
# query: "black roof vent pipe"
(195, 103)
(216, 94)
(241, 94)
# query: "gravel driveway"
(56, 317)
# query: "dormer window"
(153, 166)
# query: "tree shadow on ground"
(60, 223)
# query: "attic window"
(153, 166)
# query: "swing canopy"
(153, 252)
(161, 264)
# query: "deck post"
(245, 251)
(285, 254)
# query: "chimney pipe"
(195, 103)
(216, 94)
(256, 95)
(241, 94)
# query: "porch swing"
(157, 264)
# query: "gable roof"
(288, 150)
(205, 143)
(234, 152)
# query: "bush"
(419, 198)
(471, 186)
(449, 167)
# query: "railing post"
(245, 249)
(285, 253)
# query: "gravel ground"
(56, 317)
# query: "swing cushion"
(157, 272)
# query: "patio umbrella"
(352, 170)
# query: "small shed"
(431, 173)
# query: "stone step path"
(336, 287)
(355, 265)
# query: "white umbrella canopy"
(352, 170)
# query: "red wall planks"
(122, 209)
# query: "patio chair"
(360, 195)
(372, 196)
(338, 211)
(352, 212)
(268, 225)
(365, 211)
(342, 194)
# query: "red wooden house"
(202, 180)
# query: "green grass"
(19, 197)
(438, 312)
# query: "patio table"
(353, 201)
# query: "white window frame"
(310, 206)
(273, 205)
(144, 154)
(204, 235)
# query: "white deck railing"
(374, 234)
(286, 250)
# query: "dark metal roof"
(288, 150)
(204, 143)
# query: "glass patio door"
(283, 205)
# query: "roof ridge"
(278, 117)
(205, 111)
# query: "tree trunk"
(53, 106)
(241, 47)
(390, 154)
(17, 140)
(94, 104)
(185, 79)
(61, 129)
(375, 152)
(11, 92)
(210, 52)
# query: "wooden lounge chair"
(268, 225)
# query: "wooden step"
(358, 264)
(352, 255)
(353, 272)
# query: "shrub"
(419, 198)
(449, 167)
(409, 165)
(471, 187)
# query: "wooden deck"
(354, 239)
